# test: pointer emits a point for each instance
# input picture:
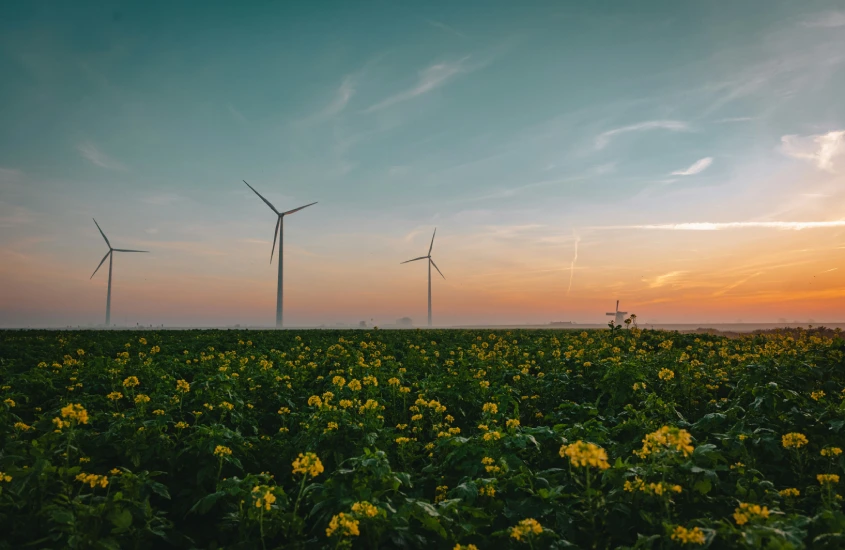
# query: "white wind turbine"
(430, 263)
(618, 316)
(279, 231)
(110, 256)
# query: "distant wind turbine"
(279, 232)
(430, 263)
(618, 316)
(110, 256)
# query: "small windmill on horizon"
(618, 316)
(430, 263)
(110, 256)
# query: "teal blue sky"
(539, 137)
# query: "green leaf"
(703, 486)
(121, 519)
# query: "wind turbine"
(110, 256)
(619, 316)
(279, 231)
(430, 263)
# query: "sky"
(685, 158)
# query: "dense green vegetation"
(421, 439)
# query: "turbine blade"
(273, 208)
(101, 232)
(437, 268)
(99, 266)
(127, 250)
(297, 209)
(414, 260)
(275, 234)
(432, 242)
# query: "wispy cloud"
(675, 125)
(572, 265)
(12, 215)
(736, 284)
(733, 119)
(445, 27)
(162, 199)
(696, 168)
(239, 116)
(820, 149)
(666, 278)
(342, 96)
(97, 157)
(9, 174)
(828, 20)
(721, 226)
(429, 79)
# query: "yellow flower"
(183, 386)
(492, 436)
(794, 440)
(5, 477)
(688, 536)
(666, 374)
(816, 395)
(80, 352)
(394, 382)
(525, 528)
(93, 480)
(315, 401)
(825, 479)
(750, 512)
(10, 403)
(343, 525)
(141, 398)
(366, 509)
(512, 423)
(264, 497)
(582, 453)
(22, 427)
(131, 382)
(142, 341)
(354, 385)
(158, 412)
(222, 450)
(639, 386)
(339, 381)
(309, 464)
(330, 426)
(440, 493)
(491, 408)
(666, 438)
(227, 405)
(75, 413)
(115, 395)
(465, 547)
(791, 492)
(181, 425)
(831, 451)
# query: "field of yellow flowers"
(421, 439)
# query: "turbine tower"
(279, 232)
(110, 256)
(430, 263)
(619, 316)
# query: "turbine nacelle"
(279, 214)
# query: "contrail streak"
(572, 265)
(710, 226)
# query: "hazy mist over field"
(684, 158)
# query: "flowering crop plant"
(434, 439)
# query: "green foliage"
(421, 439)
